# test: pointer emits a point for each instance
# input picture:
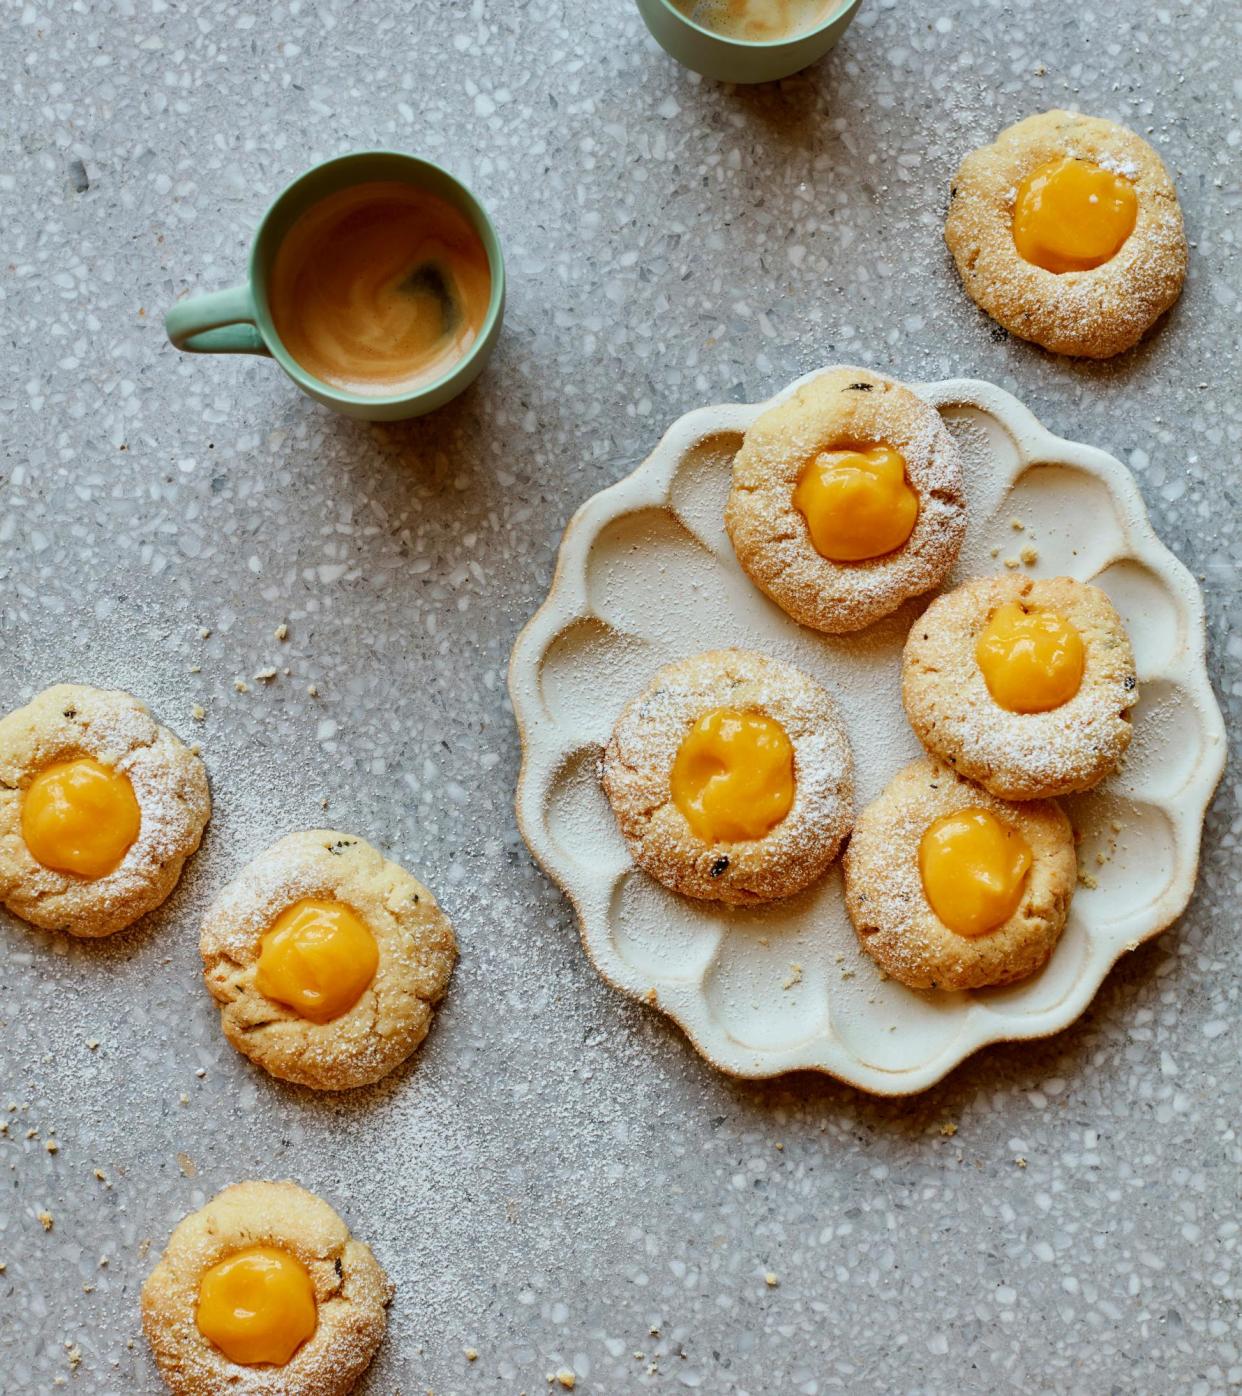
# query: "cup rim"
(495, 262)
(760, 44)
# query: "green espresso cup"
(239, 320)
(739, 60)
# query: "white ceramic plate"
(646, 575)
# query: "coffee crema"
(380, 289)
(757, 21)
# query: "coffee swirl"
(756, 21)
(380, 289)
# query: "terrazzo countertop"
(559, 1183)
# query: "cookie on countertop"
(1024, 685)
(327, 960)
(951, 888)
(264, 1291)
(731, 778)
(847, 500)
(1068, 232)
(100, 807)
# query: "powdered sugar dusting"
(639, 760)
(1020, 755)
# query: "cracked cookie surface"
(1093, 313)
(1020, 755)
(843, 407)
(74, 722)
(638, 769)
(392, 1015)
(891, 914)
(351, 1294)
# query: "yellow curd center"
(1073, 215)
(317, 958)
(80, 817)
(1032, 661)
(733, 777)
(857, 502)
(257, 1306)
(974, 868)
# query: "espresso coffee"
(380, 288)
(757, 21)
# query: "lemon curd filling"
(1032, 661)
(973, 868)
(733, 777)
(857, 502)
(80, 817)
(317, 958)
(257, 1306)
(1073, 215)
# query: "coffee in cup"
(757, 21)
(380, 288)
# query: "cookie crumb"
(1087, 880)
(241, 685)
(472, 1354)
(1020, 1161)
(312, 690)
(92, 1044)
(198, 712)
(1011, 563)
(204, 633)
(1017, 525)
(567, 1379)
(45, 1220)
(948, 1129)
(795, 976)
(1029, 555)
(266, 675)
(52, 1146)
(281, 632)
(771, 1280)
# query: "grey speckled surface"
(560, 1175)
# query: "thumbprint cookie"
(1067, 231)
(731, 778)
(264, 1290)
(846, 500)
(1023, 685)
(327, 960)
(951, 888)
(100, 807)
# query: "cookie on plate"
(731, 778)
(1023, 685)
(264, 1290)
(847, 500)
(100, 807)
(327, 960)
(951, 888)
(1067, 231)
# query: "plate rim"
(648, 485)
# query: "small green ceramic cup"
(239, 320)
(736, 60)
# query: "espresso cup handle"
(221, 322)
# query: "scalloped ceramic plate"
(646, 575)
